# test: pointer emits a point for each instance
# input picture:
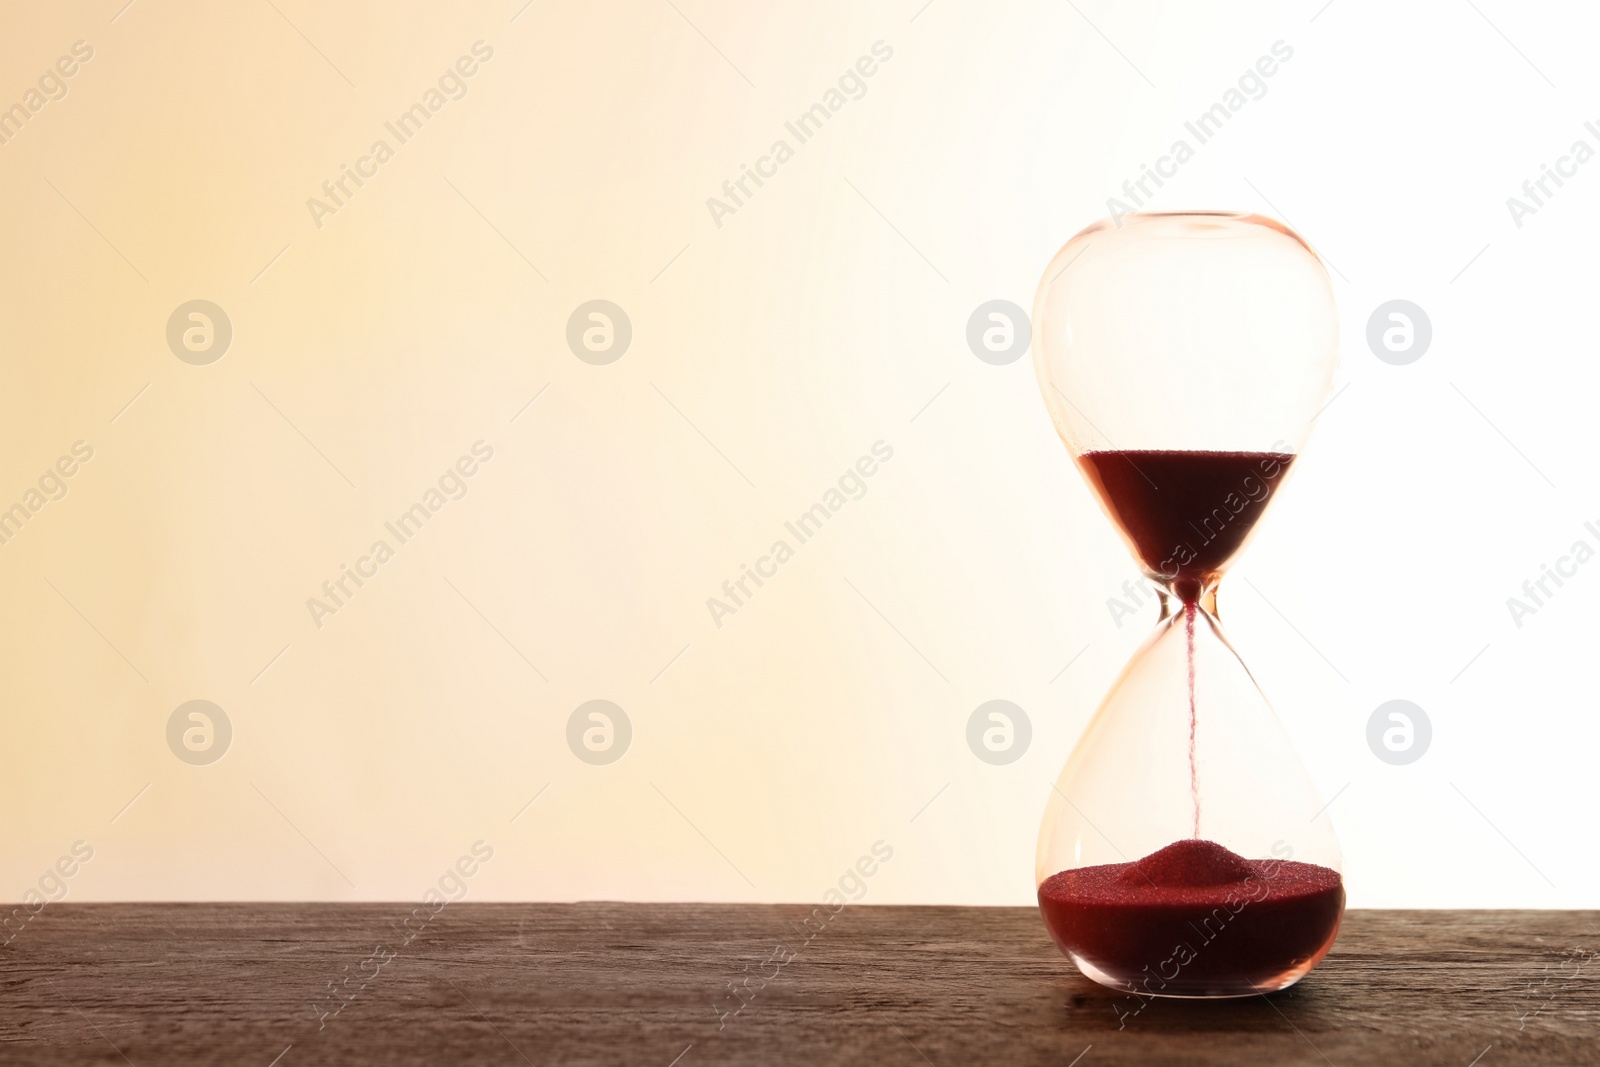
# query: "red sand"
(1187, 513)
(1195, 919)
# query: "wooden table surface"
(696, 984)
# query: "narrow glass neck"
(1173, 604)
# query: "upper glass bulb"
(1194, 330)
(1199, 332)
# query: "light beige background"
(768, 353)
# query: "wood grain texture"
(651, 984)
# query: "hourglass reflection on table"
(1183, 358)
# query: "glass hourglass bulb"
(1184, 851)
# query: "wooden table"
(648, 984)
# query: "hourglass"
(1183, 358)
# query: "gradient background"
(768, 354)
